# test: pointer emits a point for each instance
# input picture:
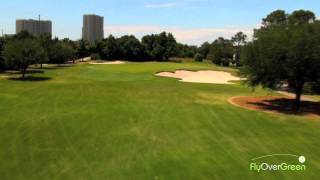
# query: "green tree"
(238, 40)
(22, 53)
(82, 49)
(160, 46)
(98, 52)
(204, 49)
(149, 42)
(2, 64)
(74, 46)
(221, 51)
(45, 41)
(301, 17)
(23, 35)
(276, 18)
(130, 48)
(284, 55)
(171, 46)
(60, 52)
(186, 51)
(110, 50)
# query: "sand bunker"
(213, 77)
(109, 62)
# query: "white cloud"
(192, 36)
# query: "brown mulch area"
(276, 104)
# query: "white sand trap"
(109, 62)
(213, 77)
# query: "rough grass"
(122, 122)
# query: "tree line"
(23, 49)
(163, 46)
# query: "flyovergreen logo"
(282, 166)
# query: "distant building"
(34, 27)
(92, 28)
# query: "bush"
(95, 56)
(210, 57)
(198, 57)
(315, 87)
(225, 62)
(2, 66)
(217, 61)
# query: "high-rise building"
(34, 27)
(92, 28)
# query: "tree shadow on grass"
(286, 106)
(30, 71)
(30, 79)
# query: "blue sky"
(191, 21)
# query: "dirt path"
(276, 104)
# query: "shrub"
(225, 61)
(95, 56)
(315, 87)
(198, 57)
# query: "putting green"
(123, 122)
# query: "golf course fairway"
(123, 122)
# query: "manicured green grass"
(122, 122)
